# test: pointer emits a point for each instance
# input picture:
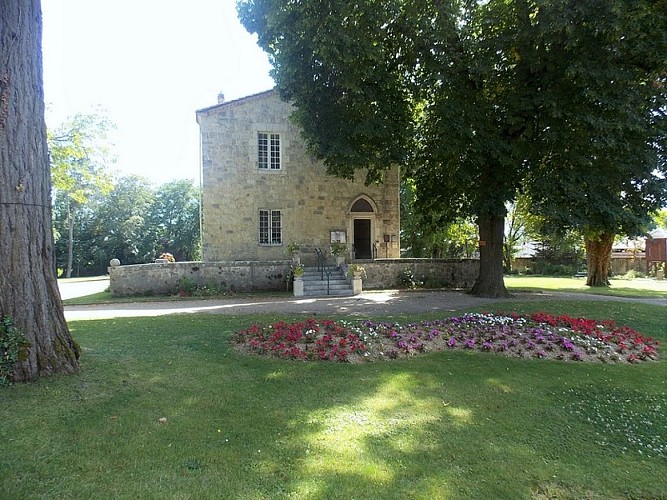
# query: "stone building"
(263, 191)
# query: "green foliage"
(187, 287)
(599, 166)
(660, 218)
(338, 249)
(562, 99)
(520, 227)
(559, 255)
(13, 349)
(355, 270)
(80, 155)
(633, 274)
(293, 248)
(135, 223)
(407, 279)
(174, 217)
(425, 236)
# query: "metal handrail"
(323, 269)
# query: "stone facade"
(310, 205)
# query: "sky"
(148, 65)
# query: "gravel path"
(368, 304)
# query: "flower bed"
(540, 335)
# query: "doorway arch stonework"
(362, 223)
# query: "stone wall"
(247, 276)
(149, 279)
(437, 273)
(312, 203)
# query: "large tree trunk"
(598, 258)
(28, 286)
(490, 282)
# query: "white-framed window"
(268, 147)
(270, 227)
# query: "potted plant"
(355, 271)
(294, 251)
(297, 271)
(164, 258)
(338, 250)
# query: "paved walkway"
(368, 304)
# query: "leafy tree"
(28, 287)
(480, 91)
(174, 216)
(599, 167)
(660, 218)
(79, 157)
(121, 227)
(424, 238)
(520, 226)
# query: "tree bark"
(490, 282)
(598, 258)
(28, 287)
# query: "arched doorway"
(362, 218)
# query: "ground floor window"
(270, 227)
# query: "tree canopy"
(478, 100)
(79, 158)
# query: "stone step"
(314, 285)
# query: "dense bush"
(13, 348)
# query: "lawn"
(440, 425)
(639, 287)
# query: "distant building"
(262, 190)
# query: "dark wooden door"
(362, 239)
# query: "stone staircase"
(314, 285)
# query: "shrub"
(13, 349)
(185, 286)
(633, 274)
(407, 279)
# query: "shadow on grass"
(444, 425)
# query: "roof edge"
(240, 100)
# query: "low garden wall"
(431, 273)
(248, 276)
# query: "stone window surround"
(284, 131)
(269, 159)
(270, 227)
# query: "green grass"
(648, 288)
(443, 425)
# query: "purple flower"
(488, 346)
(451, 342)
(470, 343)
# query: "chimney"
(221, 98)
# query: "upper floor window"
(269, 151)
(270, 227)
